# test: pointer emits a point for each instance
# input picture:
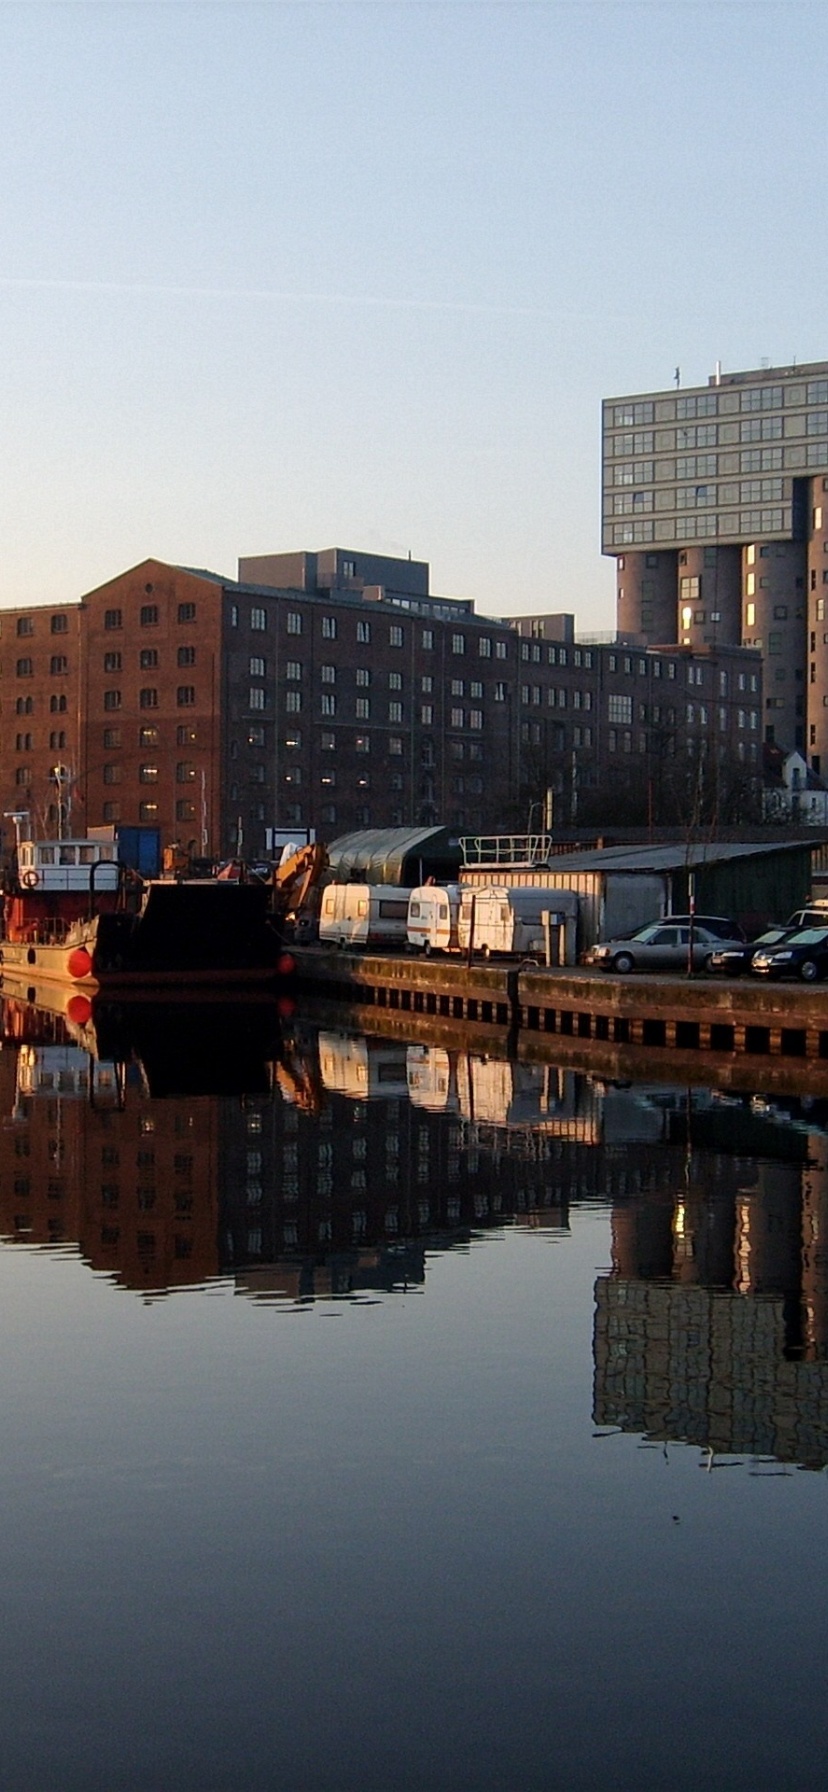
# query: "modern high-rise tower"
(715, 506)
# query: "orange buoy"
(78, 1009)
(80, 963)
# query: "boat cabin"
(65, 865)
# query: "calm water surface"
(378, 1415)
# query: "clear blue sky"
(282, 276)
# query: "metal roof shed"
(403, 856)
(622, 887)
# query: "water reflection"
(174, 1146)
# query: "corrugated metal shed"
(405, 856)
(622, 887)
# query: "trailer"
(364, 915)
(509, 919)
(432, 918)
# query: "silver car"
(660, 947)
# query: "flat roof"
(644, 859)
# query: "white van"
(364, 915)
(432, 918)
(507, 919)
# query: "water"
(392, 1416)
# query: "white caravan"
(432, 918)
(364, 915)
(508, 919)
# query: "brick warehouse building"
(335, 691)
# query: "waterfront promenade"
(665, 1013)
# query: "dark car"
(802, 955)
(733, 958)
(717, 924)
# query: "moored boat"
(72, 913)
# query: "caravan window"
(392, 911)
(415, 911)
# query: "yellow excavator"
(297, 887)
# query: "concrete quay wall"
(672, 1013)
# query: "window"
(113, 619)
(148, 774)
(234, 615)
(186, 656)
(362, 743)
(427, 715)
(111, 811)
(255, 735)
(23, 743)
(258, 619)
(25, 625)
(395, 712)
(147, 658)
(24, 706)
(57, 740)
(395, 745)
(257, 697)
(458, 643)
(185, 772)
(396, 637)
(327, 674)
(395, 681)
(112, 662)
(294, 622)
(475, 718)
(484, 647)
(148, 811)
(427, 639)
(457, 718)
(185, 696)
(24, 668)
(328, 703)
(329, 628)
(149, 736)
(475, 689)
(111, 739)
(149, 615)
(293, 670)
(619, 708)
(363, 631)
(327, 742)
(363, 676)
(184, 810)
(293, 702)
(59, 624)
(112, 699)
(363, 709)
(148, 698)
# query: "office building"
(715, 506)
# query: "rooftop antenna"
(765, 362)
(677, 377)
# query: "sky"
(283, 276)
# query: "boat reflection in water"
(172, 1145)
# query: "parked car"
(723, 928)
(815, 915)
(802, 955)
(733, 958)
(663, 946)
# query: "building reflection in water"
(712, 1326)
(171, 1148)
